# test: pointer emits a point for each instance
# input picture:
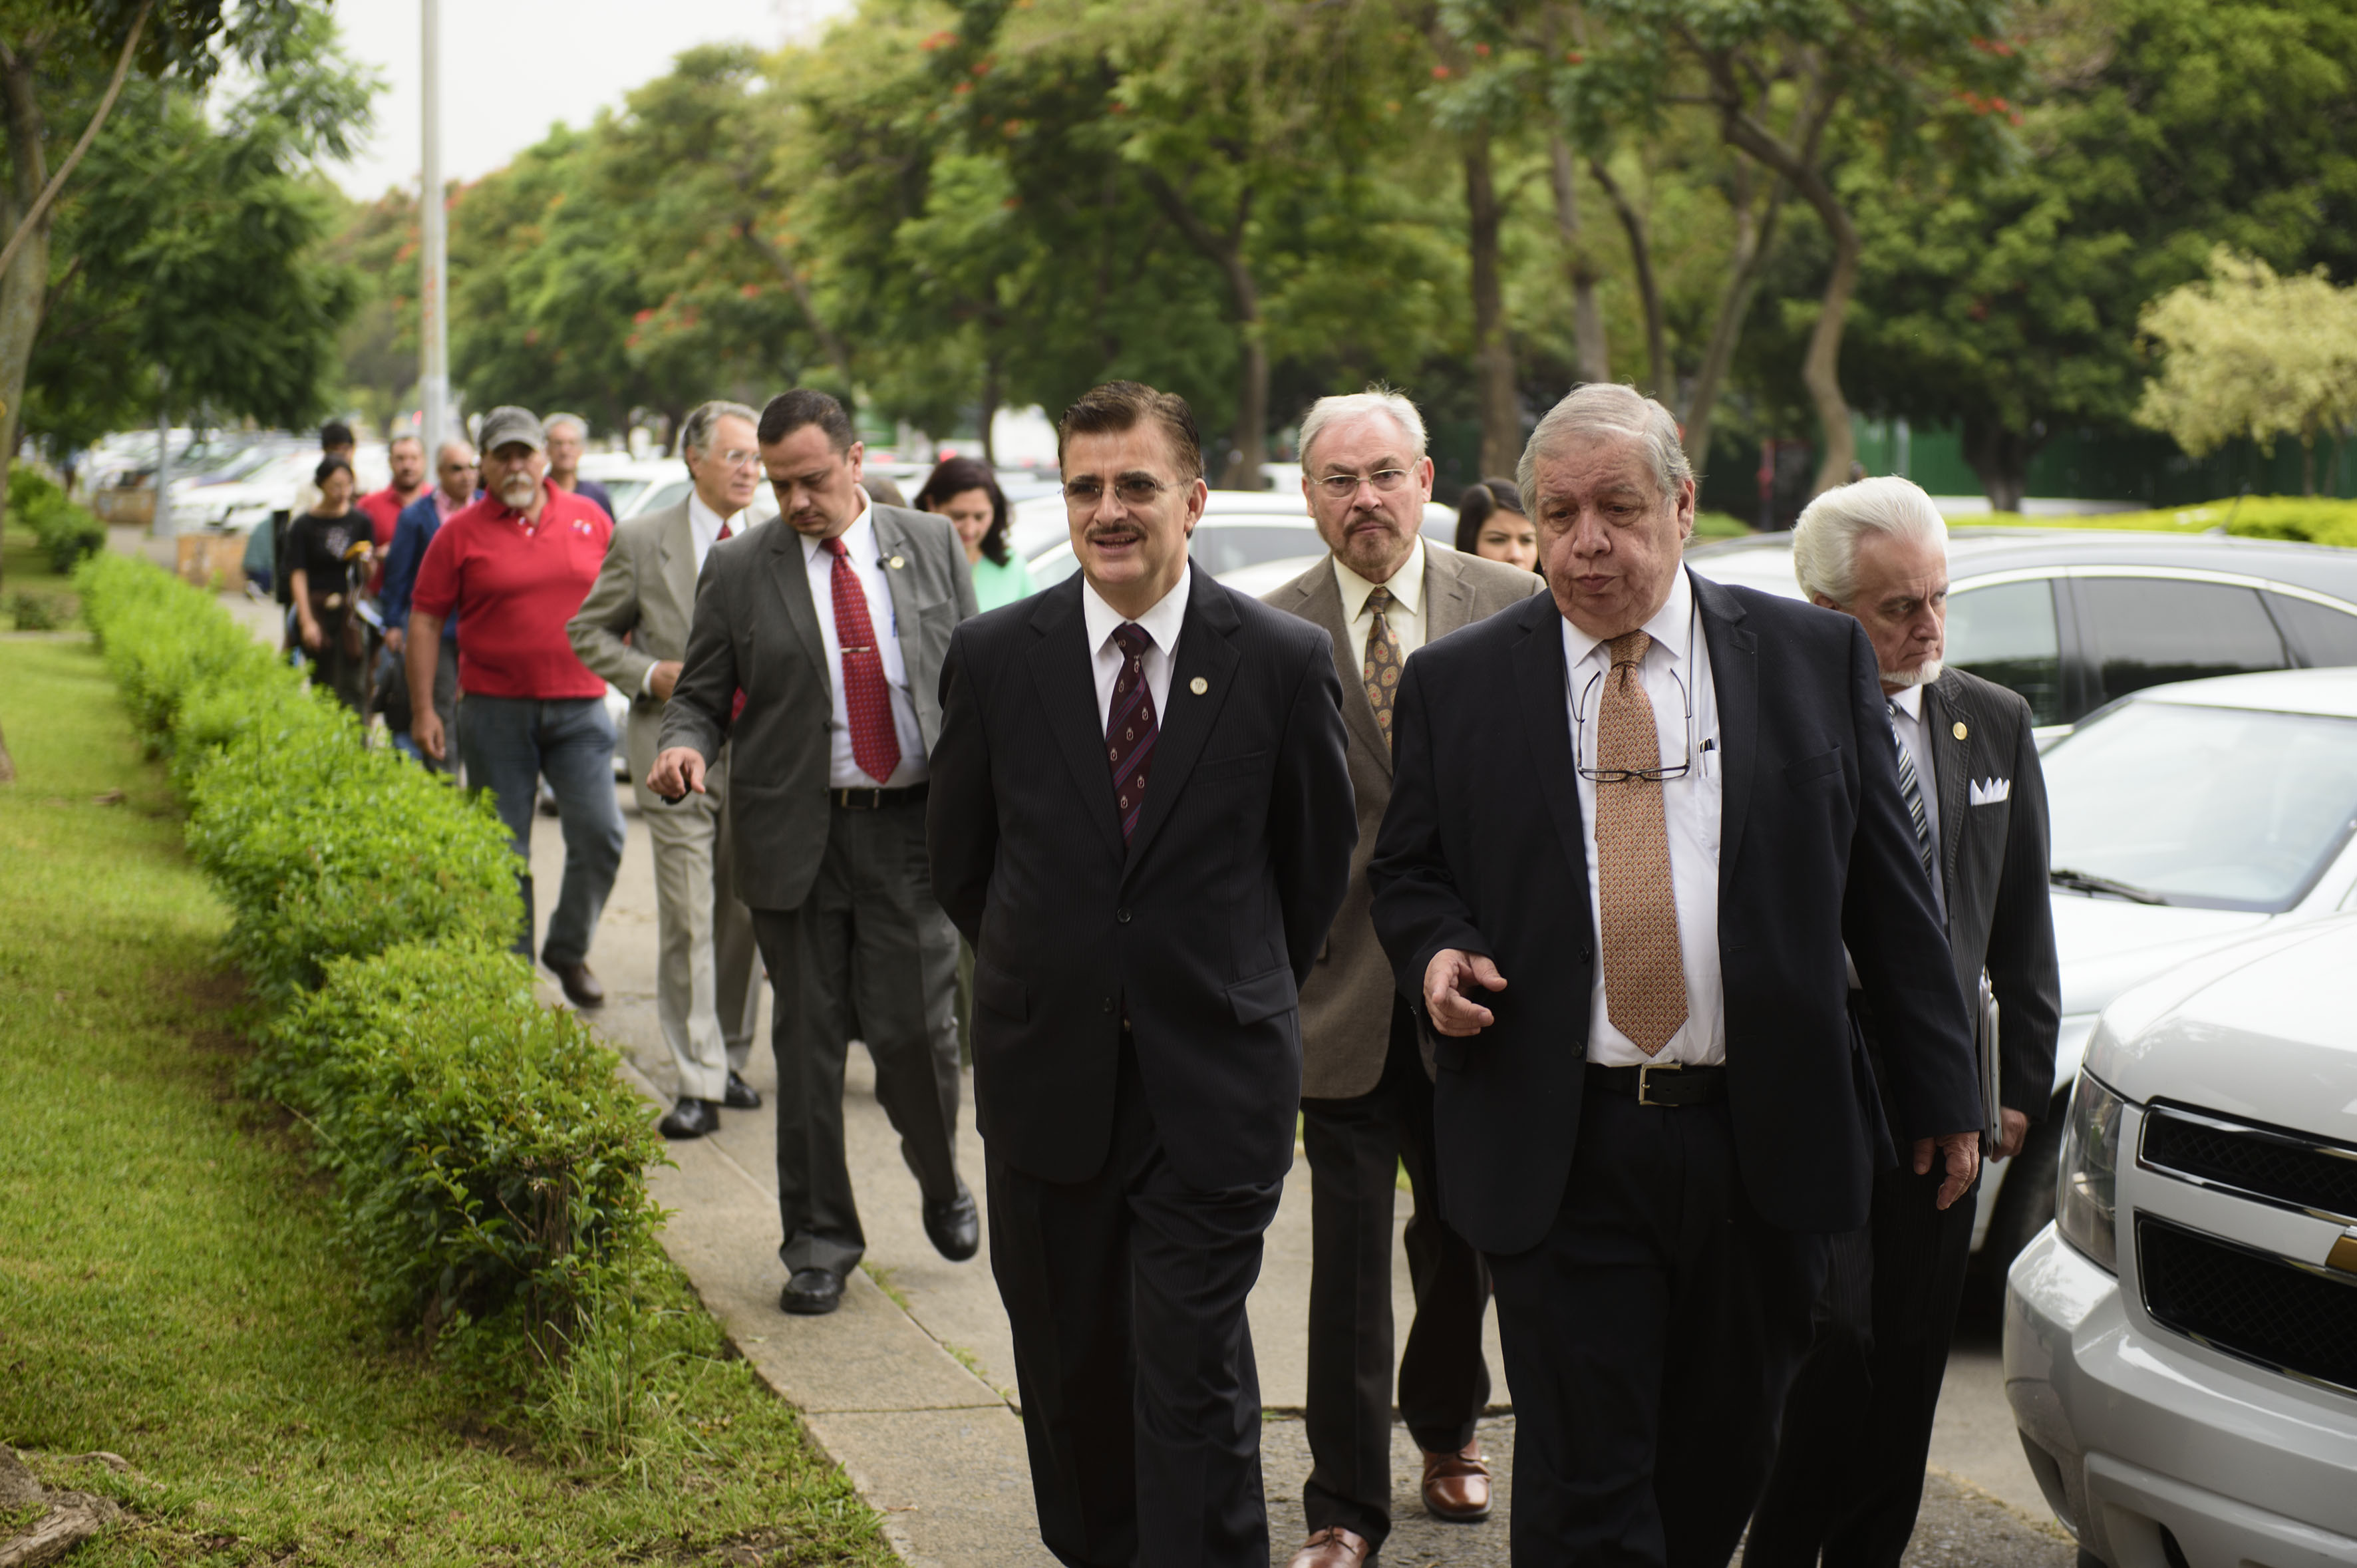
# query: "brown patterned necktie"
(1380, 668)
(1644, 967)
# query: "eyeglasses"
(1342, 486)
(737, 459)
(1579, 711)
(1135, 489)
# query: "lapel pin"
(896, 563)
(1960, 731)
(1198, 686)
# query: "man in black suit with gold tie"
(1141, 819)
(1632, 826)
(1848, 1476)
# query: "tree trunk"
(7, 763)
(1753, 233)
(1248, 441)
(1649, 288)
(989, 408)
(1493, 354)
(1593, 362)
(25, 287)
(2000, 457)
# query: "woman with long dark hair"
(964, 490)
(1492, 523)
(320, 546)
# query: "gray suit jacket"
(646, 591)
(756, 629)
(1346, 1004)
(1993, 863)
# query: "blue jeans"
(508, 743)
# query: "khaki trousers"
(706, 986)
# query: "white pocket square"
(1989, 791)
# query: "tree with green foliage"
(2248, 352)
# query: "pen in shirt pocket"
(1710, 759)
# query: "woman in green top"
(964, 490)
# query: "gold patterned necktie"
(1380, 668)
(1644, 967)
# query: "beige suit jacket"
(1346, 1006)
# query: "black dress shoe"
(691, 1118)
(740, 1095)
(581, 987)
(811, 1293)
(955, 1227)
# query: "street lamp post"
(433, 328)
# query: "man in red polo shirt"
(383, 508)
(514, 566)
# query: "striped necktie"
(1911, 790)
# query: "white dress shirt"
(860, 551)
(1676, 672)
(704, 526)
(1405, 616)
(1907, 720)
(1161, 624)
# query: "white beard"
(1922, 674)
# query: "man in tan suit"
(705, 989)
(1382, 593)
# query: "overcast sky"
(512, 68)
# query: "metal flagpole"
(433, 326)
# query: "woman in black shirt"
(321, 578)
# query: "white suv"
(2180, 1346)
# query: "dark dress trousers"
(854, 941)
(1366, 1112)
(1655, 1267)
(1848, 1476)
(1138, 1056)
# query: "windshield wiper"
(2088, 882)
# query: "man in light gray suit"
(1382, 593)
(817, 648)
(707, 988)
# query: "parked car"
(2180, 1346)
(1250, 539)
(2073, 619)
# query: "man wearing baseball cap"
(515, 565)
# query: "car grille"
(2249, 1305)
(2294, 1169)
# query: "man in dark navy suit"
(1632, 826)
(1141, 818)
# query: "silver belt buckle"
(1644, 1083)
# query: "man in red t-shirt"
(514, 566)
(383, 508)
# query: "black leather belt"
(875, 800)
(1663, 1084)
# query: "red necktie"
(1130, 727)
(737, 708)
(866, 697)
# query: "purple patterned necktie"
(1131, 729)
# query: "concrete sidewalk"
(910, 1386)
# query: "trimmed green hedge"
(487, 1160)
(67, 532)
(2312, 519)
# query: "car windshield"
(2211, 808)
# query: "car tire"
(2026, 1202)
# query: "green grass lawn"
(170, 1289)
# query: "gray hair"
(1376, 399)
(464, 448)
(696, 430)
(1607, 410)
(1825, 541)
(580, 426)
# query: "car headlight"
(2086, 1182)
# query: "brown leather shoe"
(581, 987)
(1332, 1547)
(1456, 1486)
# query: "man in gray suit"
(706, 990)
(817, 646)
(1382, 593)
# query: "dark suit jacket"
(1484, 849)
(1346, 1004)
(1200, 931)
(1993, 863)
(757, 627)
